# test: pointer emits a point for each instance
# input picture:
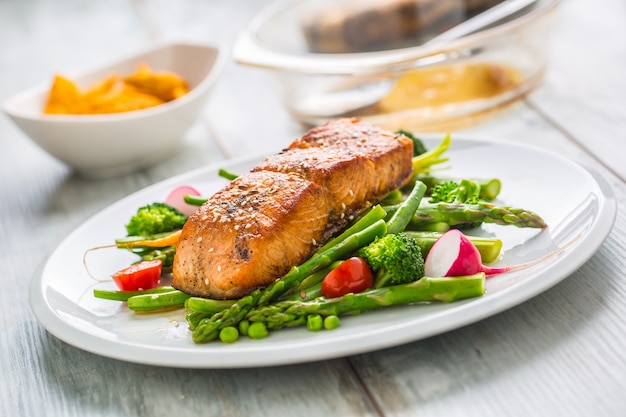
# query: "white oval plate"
(577, 204)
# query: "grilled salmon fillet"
(256, 228)
(357, 164)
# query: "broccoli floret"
(394, 259)
(444, 192)
(463, 192)
(418, 146)
(155, 218)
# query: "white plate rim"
(242, 355)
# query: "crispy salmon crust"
(260, 225)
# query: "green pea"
(244, 325)
(331, 322)
(229, 334)
(314, 322)
(257, 330)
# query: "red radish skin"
(454, 255)
(176, 199)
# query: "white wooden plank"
(585, 85)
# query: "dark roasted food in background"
(363, 26)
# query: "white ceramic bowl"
(107, 145)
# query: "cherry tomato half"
(142, 276)
(351, 276)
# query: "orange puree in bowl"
(437, 86)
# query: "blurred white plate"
(577, 204)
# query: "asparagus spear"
(207, 305)
(457, 214)
(310, 292)
(293, 313)
(374, 214)
(208, 328)
(312, 280)
(441, 216)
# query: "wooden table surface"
(561, 353)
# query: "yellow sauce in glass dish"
(439, 86)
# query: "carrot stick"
(170, 239)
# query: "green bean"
(227, 174)
(158, 301)
(125, 295)
(403, 215)
(195, 200)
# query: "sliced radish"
(450, 254)
(454, 255)
(176, 199)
